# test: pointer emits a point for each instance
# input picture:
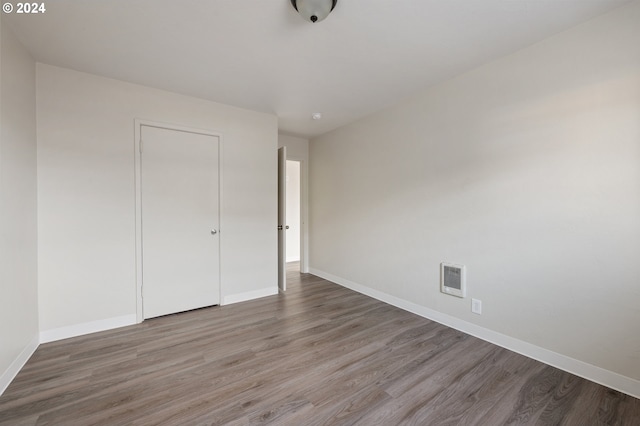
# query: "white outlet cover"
(476, 306)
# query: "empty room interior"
(320, 212)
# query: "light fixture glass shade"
(314, 10)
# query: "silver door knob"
(214, 232)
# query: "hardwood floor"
(318, 355)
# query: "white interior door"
(180, 216)
(282, 218)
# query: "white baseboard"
(86, 328)
(579, 368)
(249, 295)
(12, 371)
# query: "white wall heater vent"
(452, 279)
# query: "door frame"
(282, 219)
(138, 123)
(304, 216)
(304, 248)
(304, 213)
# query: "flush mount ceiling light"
(314, 10)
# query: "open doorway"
(293, 249)
(294, 202)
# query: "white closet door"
(180, 217)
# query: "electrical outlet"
(476, 306)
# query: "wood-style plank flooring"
(318, 355)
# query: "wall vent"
(452, 279)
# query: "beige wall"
(297, 148)
(527, 171)
(18, 237)
(86, 194)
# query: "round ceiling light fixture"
(314, 10)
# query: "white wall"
(293, 211)
(298, 150)
(18, 226)
(86, 194)
(527, 170)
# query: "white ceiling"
(261, 55)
